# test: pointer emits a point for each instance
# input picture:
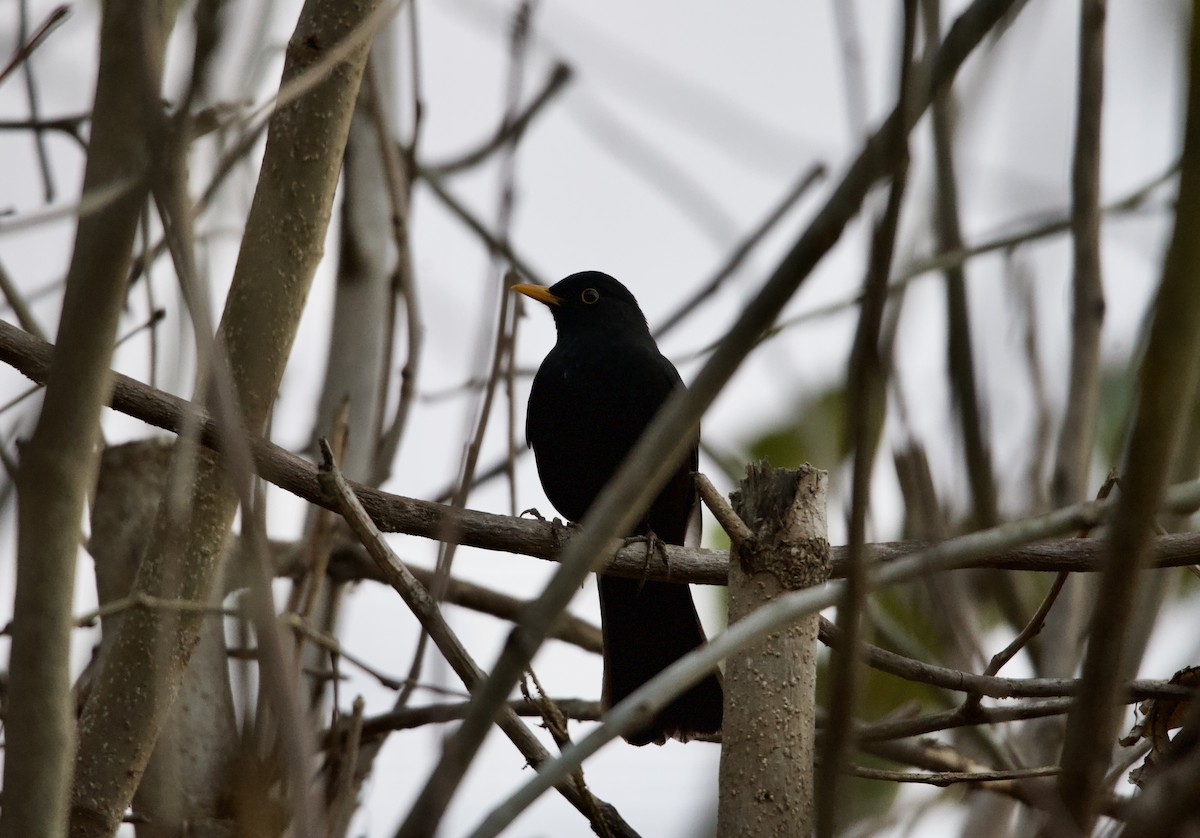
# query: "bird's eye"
(589, 295)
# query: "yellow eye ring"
(589, 295)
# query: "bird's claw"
(557, 527)
(654, 544)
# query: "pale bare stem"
(149, 292)
(357, 363)
(867, 386)
(174, 205)
(414, 71)
(57, 463)
(1024, 290)
(515, 432)
(426, 610)
(504, 353)
(1167, 383)
(854, 84)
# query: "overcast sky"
(684, 124)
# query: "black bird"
(592, 398)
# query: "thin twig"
(377, 727)
(1083, 395)
(734, 526)
(950, 778)
(644, 470)
(1169, 372)
(995, 687)
(867, 387)
(343, 797)
(511, 127)
(425, 608)
(807, 179)
(923, 725)
(53, 20)
(960, 353)
(399, 171)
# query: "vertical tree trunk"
(56, 465)
(770, 689)
(282, 246)
(189, 772)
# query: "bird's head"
(590, 302)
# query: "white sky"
(734, 104)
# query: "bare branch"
(1168, 379)
(425, 608)
(56, 465)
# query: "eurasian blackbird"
(592, 398)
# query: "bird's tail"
(647, 626)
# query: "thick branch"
(768, 733)
(283, 243)
(56, 465)
(1168, 380)
(412, 516)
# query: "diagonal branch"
(645, 469)
(1168, 379)
(424, 607)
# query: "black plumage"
(592, 398)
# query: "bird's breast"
(587, 409)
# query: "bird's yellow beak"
(538, 292)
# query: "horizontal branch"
(993, 686)
(950, 778)
(395, 513)
(405, 718)
(963, 716)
